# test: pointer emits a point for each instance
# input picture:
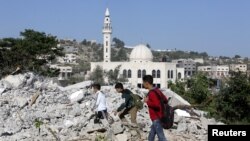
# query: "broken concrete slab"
(77, 86)
(76, 96)
(16, 80)
(182, 113)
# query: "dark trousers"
(100, 115)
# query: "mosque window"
(168, 73)
(106, 43)
(124, 73)
(143, 72)
(139, 73)
(172, 74)
(106, 50)
(153, 73)
(158, 74)
(179, 75)
(129, 74)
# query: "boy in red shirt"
(155, 109)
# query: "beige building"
(189, 66)
(140, 62)
(65, 71)
(215, 71)
(68, 58)
(238, 67)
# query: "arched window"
(129, 74)
(153, 73)
(158, 74)
(124, 73)
(172, 74)
(139, 73)
(143, 73)
(168, 73)
(179, 75)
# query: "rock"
(78, 86)
(68, 123)
(76, 110)
(15, 80)
(182, 113)
(30, 78)
(192, 128)
(133, 133)
(117, 128)
(182, 127)
(76, 96)
(2, 90)
(4, 86)
(21, 101)
(122, 137)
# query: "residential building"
(238, 67)
(215, 71)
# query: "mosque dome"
(141, 53)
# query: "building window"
(106, 50)
(106, 43)
(158, 74)
(124, 73)
(129, 74)
(168, 73)
(179, 75)
(139, 73)
(153, 73)
(172, 74)
(143, 73)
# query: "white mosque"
(140, 63)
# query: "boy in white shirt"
(100, 105)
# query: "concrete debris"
(182, 113)
(76, 96)
(64, 113)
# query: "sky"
(218, 27)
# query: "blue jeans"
(156, 129)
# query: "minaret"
(107, 30)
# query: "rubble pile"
(35, 108)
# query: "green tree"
(178, 87)
(113, 75)
(118, 43)
(198, 90)
(148, 45)
(122, 55)
(97, 75)
(237, 56)
(30, 53)
(233, 101)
